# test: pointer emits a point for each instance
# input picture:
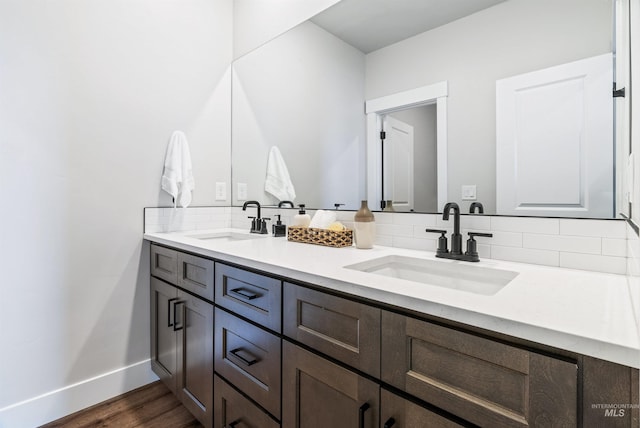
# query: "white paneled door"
(398, 163)
(554, 148)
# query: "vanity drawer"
(164, 263)
(251, 295)
(483, 381)
(232, 409)
(397, 412)
(343, 329)
(249, 358)
(195, 274)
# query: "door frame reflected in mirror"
(375, 110)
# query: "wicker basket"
(329, 238)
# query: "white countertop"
(585, 312)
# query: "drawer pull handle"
(169, 311)
(177, 327)
(390, 422)
(246, 358)
(361, 411)
(244, 294)
(234, 423)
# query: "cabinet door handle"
(245, 357)
(233, 424)
(177, 327)
(244, 294)
(361, 411)
(390, 422)
(169, 322)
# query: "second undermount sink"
(225, 236)
(456, 275)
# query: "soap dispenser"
(279, 229)
(302, 219)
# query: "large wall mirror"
(305, 92)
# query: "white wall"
(285, 94)
(91, 91)
(257, 21)
(472, 53)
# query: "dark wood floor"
(152, 405)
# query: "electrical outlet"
(469, 192)
(221, 191)
(242, 191)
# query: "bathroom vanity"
(262, 332)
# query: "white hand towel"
(278, 182)
(322, 219)
(177, 177)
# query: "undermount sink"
(456, 275)
(225, 236)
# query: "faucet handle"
(442, 241)
(486, 235)
(263, 225)
(472, 248)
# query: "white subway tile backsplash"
(526, 255)
(614, 247)
(414, 243)
(422, 220)
(394, 229)
(595, 263)
(575, 244)
(549, 226)
(596, 245)
(504, 239)
(476, 222)
(386, 241)
(599, 228)
(382, 218)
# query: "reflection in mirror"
(410, 157)
(304, 92)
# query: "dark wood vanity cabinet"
(181, 346)
(182, 340)
(398, 412)
(343, 329)
(319, 394)
(483, 381)
(295, 356)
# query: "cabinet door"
(319, 394)
(480, 380)
(194, 320)
(340, 328)
(163, 337)
(396, 412)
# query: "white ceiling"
(372, 24)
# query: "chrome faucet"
(471, 255)
(258, 224)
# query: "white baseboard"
(69, 399)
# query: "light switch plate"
(469, 192)
(242, 191)
(221, 191)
